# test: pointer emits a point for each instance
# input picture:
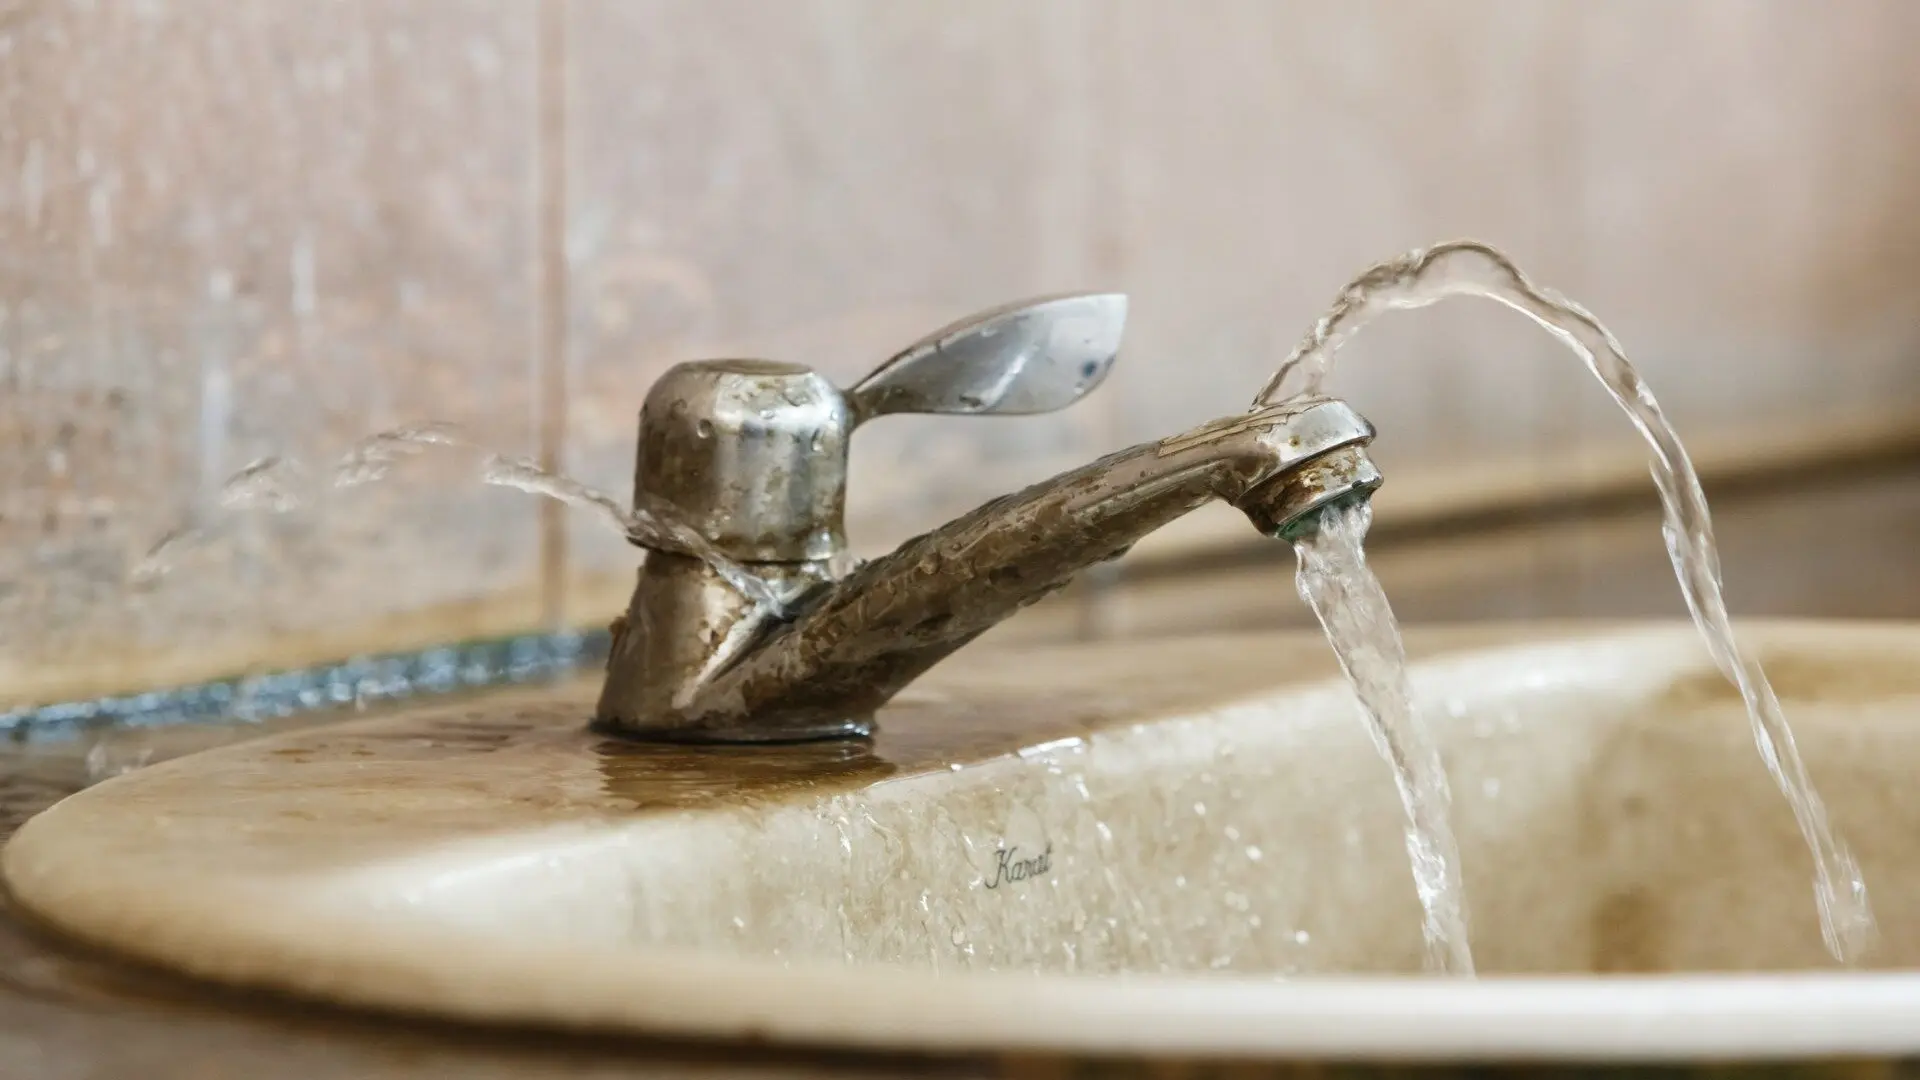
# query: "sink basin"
(1203, 818)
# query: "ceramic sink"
(1153, 846)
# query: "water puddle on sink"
(1344, 594)
(1465, 268)
(283, 484)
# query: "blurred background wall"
(237, 230)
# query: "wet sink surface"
(1203, 816)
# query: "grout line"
(1099, 238)
(347, 684)
(1572, 30)
(1560, 445)
(551, 351)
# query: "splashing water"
(375, 456)
(281, 485)
(1466, 268)
(1343, 592)
(522, 474)
(271, 483)
(651, 521)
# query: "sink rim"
(701, 995)
(690, 992)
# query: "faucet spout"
(847, 646)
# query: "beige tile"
(1726, 183)
(1748, 201)
(235, 231)
(1268, 152)
(823, 182)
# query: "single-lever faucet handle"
(752, 456)
(1033, 356)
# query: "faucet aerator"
(1292, 505)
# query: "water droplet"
(374, 457)
(270, 483)
(1253, 853)
(1301, 937)
(1200, 809)
(959, 937)
(105, 762)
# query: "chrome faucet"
(754, 456)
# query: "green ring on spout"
(1308, 523)
(1290, 505)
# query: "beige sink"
(1160, 846)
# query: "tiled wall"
(234, 230)
(229, 231)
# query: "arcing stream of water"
(1465, 268)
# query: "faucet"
(753, 455)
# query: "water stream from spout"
(1466, 268)
(283, 484)
(1343, 592)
